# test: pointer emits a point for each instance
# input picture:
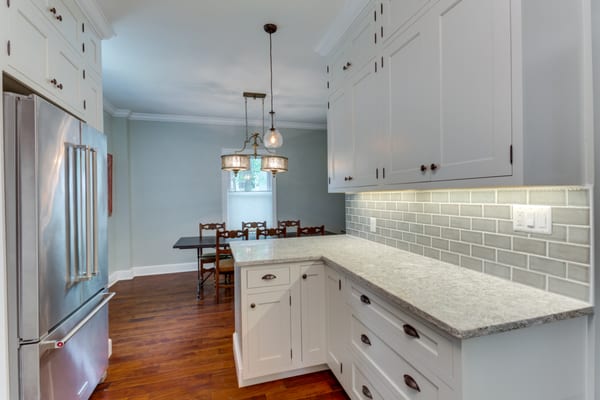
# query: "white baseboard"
(150, 270)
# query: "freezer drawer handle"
(59, 344)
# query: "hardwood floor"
(169, 345)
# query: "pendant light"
(239, 161)
(272, 138)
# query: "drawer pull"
(367, 392)
(410, 331)
(411, 383)
(365, 299)
(365, 339)
(268, 277)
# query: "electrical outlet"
(373, 224)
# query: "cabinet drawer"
(362, 388)
(416, 342)
(268, 277)
(402, 378)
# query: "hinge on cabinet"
(84, 74)
(375, 66)
(381, 61)
(84, 105)
(511, 155)
(341, 368)
(8, 3)
(8, 47)
(381, 32)
(375, 37)
(290, 301)
(291, 355)
(375, 16)
(327, 84)
(328, 105)
(83, 47)
(83, 27)
(381, 9)
(328, 69)
(339, 284)
(376, 169)
(329, 180)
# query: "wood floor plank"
(168, 345)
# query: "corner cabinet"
(280, 321)
(52, 48)
(459, 92)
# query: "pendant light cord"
(271, 68)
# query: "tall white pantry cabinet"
(455, 93)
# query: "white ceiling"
(194, 58)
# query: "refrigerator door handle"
(88, 215)
(94, 186)
(71, 200)
(60, 343)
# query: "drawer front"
(416, 342)
(400, 377)
(268, 277)
(362, 388)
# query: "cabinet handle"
(367, 392)
(410, 331)
(268, 277)
(376, 173)
(365, 299)
(383, 168)
(304, 276)
(423, 167)
(365, 339)
(434, 167)
(411, 383)
(252, 305)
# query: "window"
(249, 196)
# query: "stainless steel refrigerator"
(56, 215)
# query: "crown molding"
(340, 25)
(193, 119)
(97, 18)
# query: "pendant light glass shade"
(235, 162)
(273, 139)
(274, 164)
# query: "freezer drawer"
(71, 360)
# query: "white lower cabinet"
(281, 326)
(303, 317)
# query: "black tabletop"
(194, 242)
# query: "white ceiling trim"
(340, 25)
(97, 18)
(192, 119)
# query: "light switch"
(373, 223)
(533, 219)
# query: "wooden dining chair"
(289, 224)
(224, 265)
(271, 233)
(207, 257)
(311, 230)
(253, 226)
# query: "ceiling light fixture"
(273, 138)
(239, 161)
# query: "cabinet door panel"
(91, 91)
(362, 41)
(338, 332)
(367, 127)
(65, 67)
(397, 14)
(30, 43)
(412, 109)
(341, 142)
(269, 333)
(475, 96)
(312, 295)
(91, 48)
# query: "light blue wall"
(173, 180)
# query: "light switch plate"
(373, 224)
(532, 219)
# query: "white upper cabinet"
(450, 93)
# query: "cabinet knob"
(365, 339)
(411, 383)
(366, 392)
(59, 17)
(434, 167)
(347, 66)
(304, 276)
(60, 86)
(53, 10)
(423, 167)
(350, 178)
(252, 305)
(53, 81)
(365, 299)
(410, 331)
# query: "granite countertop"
(460, 302)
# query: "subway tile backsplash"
(473, 229)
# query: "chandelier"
(269, 140)
(239, 161)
